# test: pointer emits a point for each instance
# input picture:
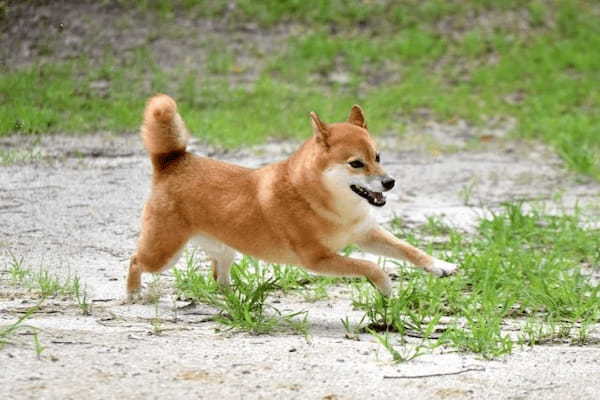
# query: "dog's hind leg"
(159, 248)
(134, 280)
(221, 256)
(379, 241)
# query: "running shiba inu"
(301, 211)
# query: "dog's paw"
(382, 283)
(134, 297)
(385, 287)
(442, 268)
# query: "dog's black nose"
(388, 182)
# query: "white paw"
(442, 268)
(386, 287)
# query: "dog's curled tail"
(163, 131)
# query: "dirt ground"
(72, 206)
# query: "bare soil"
(71, 205)
(39, 32)
(73, 208)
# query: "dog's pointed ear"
(320, 129)
(357, 117)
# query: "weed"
(13, 156)
(352, 332)
(39, 348)
(156, 322)
(290, 278)
(243, 305)
(313, 287)
(535, 332)
(467, 191)
(44, 284)
(435, 226)
(16, 270)
(519, 266)
(49, 285)
(154, 291)
(482, 334)
(81, 297)
(399, 354)
(318, 291)
(7, 331)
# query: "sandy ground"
(73, 206)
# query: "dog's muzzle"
(374, 198)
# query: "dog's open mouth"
(376, 199)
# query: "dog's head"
(350, 159)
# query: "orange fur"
(297, 211)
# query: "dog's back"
(199, 196)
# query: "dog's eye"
(356, 164)
(377, 158)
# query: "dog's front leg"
(329, 263)
(379, 241)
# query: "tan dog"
(301, 211)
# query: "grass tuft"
(244, 305)
(44, 284)
(7, 331)
(530, 273)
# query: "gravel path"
(73, 206)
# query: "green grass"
(345, 14)
(391, 57)
(244, 306)
(11, 156)
(527, 271)
(42, 283)
(6, 331)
